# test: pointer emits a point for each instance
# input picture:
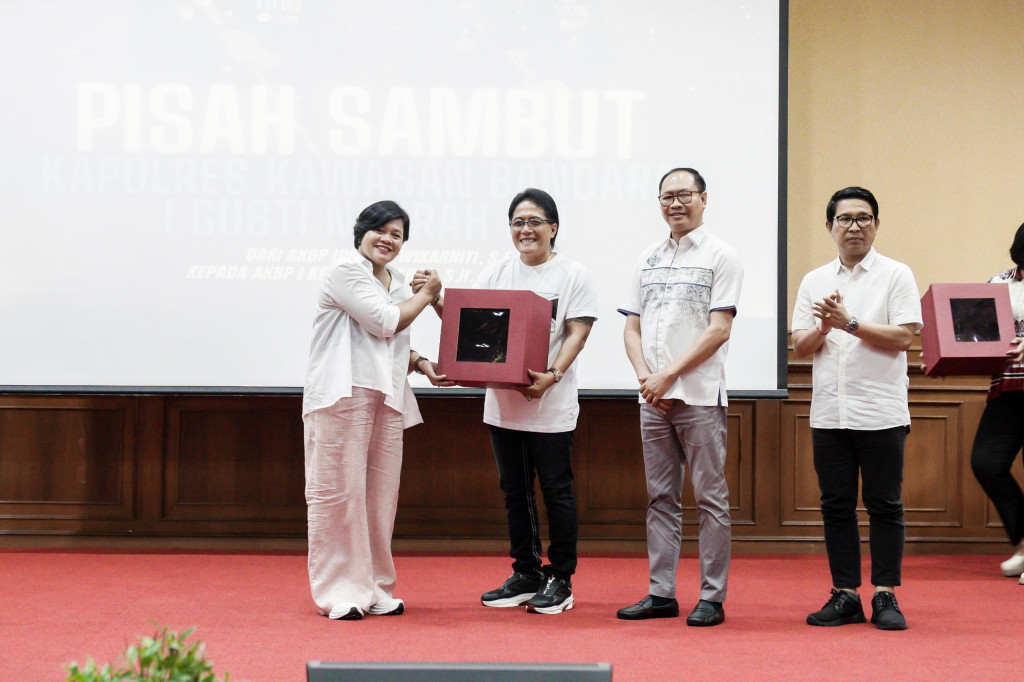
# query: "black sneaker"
(555, 597)
(842, 608)
(517, 589)
(885, 612)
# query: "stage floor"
(254, 613)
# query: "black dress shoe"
(645, 608)
(706, 613)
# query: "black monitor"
(324, 671)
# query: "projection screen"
(178, 176)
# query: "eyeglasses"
(684, 197)
(862, 220)
(519, 223)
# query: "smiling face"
(381, 246)
(854, 241)
(533, 243)
(683, 218)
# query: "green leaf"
(166, 656)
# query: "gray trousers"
(696, 436)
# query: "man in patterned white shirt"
(678, 320)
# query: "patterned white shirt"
(674, 289)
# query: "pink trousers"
(353, 467)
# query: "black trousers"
(841, 456)
(999, 438)
(520, 456)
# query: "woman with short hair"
(532, 426)
(356, 403)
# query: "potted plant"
(164, 656)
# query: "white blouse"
(354, 340)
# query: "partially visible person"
(857, 315)
(356, 403)
(532, 426)
(679, 312)
(1000, 434)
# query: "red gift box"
(967, 328)
(490, 337)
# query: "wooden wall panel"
(449, 479)
(66, 458)
(931, 466)
(233, 459)
(231, 467)
(611, 489)
(800, 500)
(932, 486)
(739, 463)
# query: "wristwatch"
(851, 326)
(557, 373)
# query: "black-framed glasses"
(519, 223)
(862, 220)
(684, 197)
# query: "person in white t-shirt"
(356, 403)
(858, 315)
(532, 426)
(679, 312)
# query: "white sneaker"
(1015, 564)
(388, 607)
(345, 611)
(1021, 581)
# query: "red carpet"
(254, 613)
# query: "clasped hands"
(652, 387)
(831, 312)
(429, 281)
(542, 381)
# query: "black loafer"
(645, 608)
(706, 613)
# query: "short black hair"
(377, 215)
(543, 201)
(850, 193)
(697, 177)
(1017, 248)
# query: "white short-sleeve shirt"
(354, 340)
(674, 289)
(857, 385)
(572, 293)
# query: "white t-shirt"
(856, 385)
(675, 288)
(354, 340)
(568, 286)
